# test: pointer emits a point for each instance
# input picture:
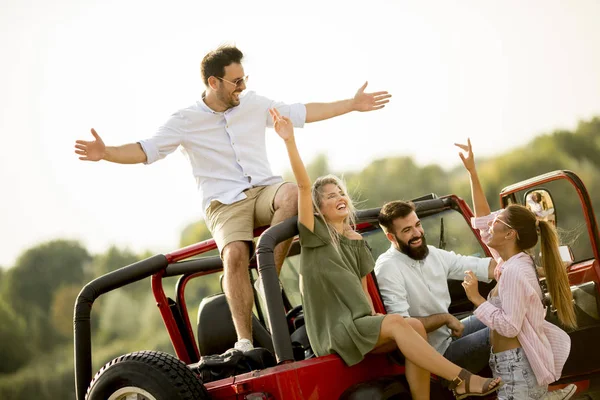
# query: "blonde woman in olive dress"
(338, 311)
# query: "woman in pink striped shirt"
(528, 352)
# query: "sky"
(499, 72)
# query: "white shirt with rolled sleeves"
(414, 288)
(227, 150)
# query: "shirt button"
(232, 143)
(226, 126)
(238, 160)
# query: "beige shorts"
(236, 222)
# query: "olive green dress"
(336, 310)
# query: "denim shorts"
(519, 380)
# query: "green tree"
(31, 283)
(61, 312)
(113, 259)
(15, 350)
(41, 270)
(194, 233)
(316, 167)
(395, 178)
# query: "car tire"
(152, 375)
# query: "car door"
(561, 198)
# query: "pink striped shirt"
(523, 314)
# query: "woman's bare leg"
(417, 377)
(418, 351)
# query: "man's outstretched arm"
(360, 102)
(96, 150)
(436, 321)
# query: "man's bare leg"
(237, 288)
(286, 206)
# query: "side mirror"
(540, 202)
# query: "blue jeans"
(472, 350)
(519, 380)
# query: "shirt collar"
(202, 104)
(204, 107)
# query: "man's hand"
(91, 151)
(455, 326)
(283, 125)
(468, 160)
(369, 101)
(470, 284)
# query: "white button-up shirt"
(227, 150)
(414, 288)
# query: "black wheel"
(146, 375)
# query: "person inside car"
(528, 352)
(413, 282)
(338, 311)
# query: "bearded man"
(413, 281)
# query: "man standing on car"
(223, 135)
(412, 279)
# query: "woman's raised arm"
(480, 203)
(285, 129)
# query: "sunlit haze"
(499, 72)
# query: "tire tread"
(188, 384)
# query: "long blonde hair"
(526, 224)
(317, 199)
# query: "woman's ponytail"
(556, 276)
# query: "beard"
(416, 253)
(227, 98)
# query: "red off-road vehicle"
(283, 365)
